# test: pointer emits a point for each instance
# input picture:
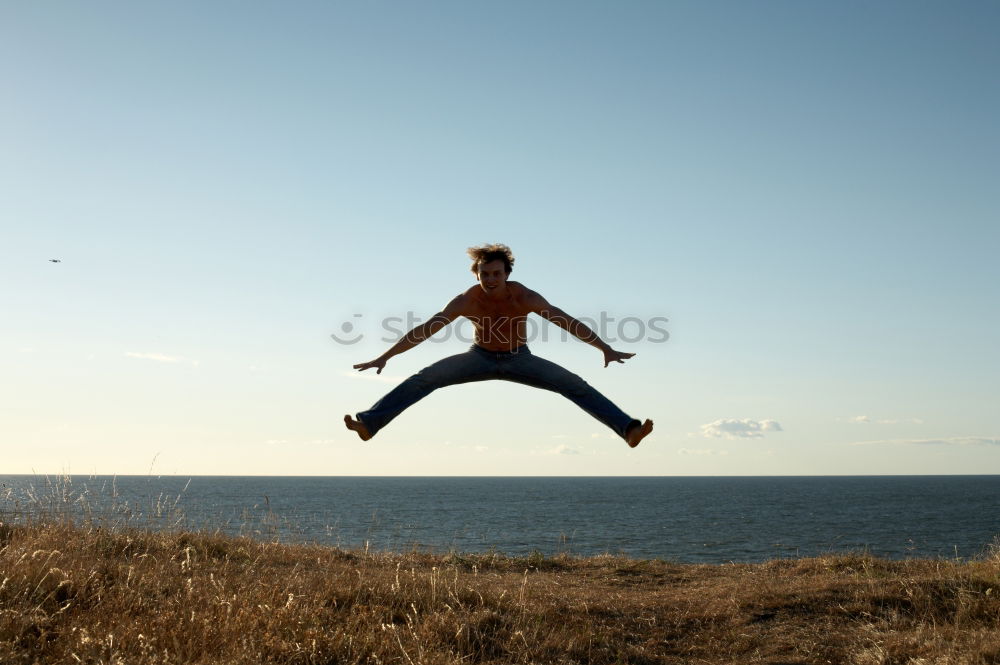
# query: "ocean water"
(702, 519)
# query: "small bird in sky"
(55, 260)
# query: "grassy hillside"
(91, 594)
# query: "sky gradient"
(806, 191)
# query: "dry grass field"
(98, 594)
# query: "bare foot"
(358, 427)
(637, 433)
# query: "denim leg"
(460, 368)
(534, 371)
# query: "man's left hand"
(611, 356)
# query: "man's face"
(492, 277)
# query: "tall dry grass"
(93, 592)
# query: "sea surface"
(701, 519)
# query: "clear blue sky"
(807, 191)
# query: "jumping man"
(498, 310)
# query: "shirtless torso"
(500, 322)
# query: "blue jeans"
(479, 364)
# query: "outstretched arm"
(418, 334)
(546, 310)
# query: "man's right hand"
(378, 362)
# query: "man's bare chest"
(504, 310)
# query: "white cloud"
(561, 449)
(732, 428)
(162, 358)
(481, 449)
(950, 441)
(702, 451)
(372, 376)
(885, 421)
